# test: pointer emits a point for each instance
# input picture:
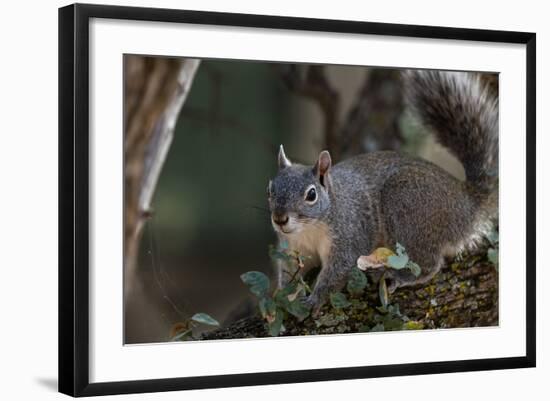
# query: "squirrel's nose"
(280, 218)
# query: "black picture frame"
(74, 204)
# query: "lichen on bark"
(463, 294)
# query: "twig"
(164, 134)
(357, 116)
(155, 91)
(374, 115)
(314, 84)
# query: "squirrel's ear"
(282, 159)
(322, 166)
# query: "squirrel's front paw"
(314, 304)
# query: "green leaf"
(394, 309)
(339, 300)
(277, 324)
(288, 289)
(399, 249)
(398, 261)
(493, 237)
(357, 281)
(300, 290)
(414, 268)
(383, 293)
(378, 327)
(298, 309)
(204, 319)
(492, 255)
(276, 254)
(267, 307)
(392, 323)
(257, 281)
(281, 296)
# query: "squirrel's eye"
(311, 195)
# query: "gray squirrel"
(335, 213)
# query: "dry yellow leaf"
(375, 260)
(179, 327)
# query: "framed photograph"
(253, 199)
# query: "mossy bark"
(463, 294)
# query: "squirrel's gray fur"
(381, 198)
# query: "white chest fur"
(313, 241)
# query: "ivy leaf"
(399, 249)
(339, 300)
(278, 254)
(282, 295)
(298, 309)
(493, 237)
(267, 307)
(394, 310)
(492, 255)
(299, 290)
(287, 290)
(398, 261)
(204, 319)
(414, 268)
(357, 282)
(276, 325)
(257, 281)
(378, 327)
(392, 323)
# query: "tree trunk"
(371, 124)
(155, 90)
(463, 294)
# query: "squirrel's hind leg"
(422, 216)
(426, 252)
(404, 278)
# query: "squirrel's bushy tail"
(464, 116)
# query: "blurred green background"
(210, 222)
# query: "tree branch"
(155, 91)
(164, 134)
(463, 294)
(372, 122)
(314, 84)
